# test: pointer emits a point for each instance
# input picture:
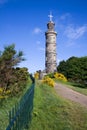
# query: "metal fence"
(20, 115)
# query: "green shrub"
(51, 75)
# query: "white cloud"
(69, 33)
(75, 33)
(64, 16)
(37, 30)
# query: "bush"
(36, 75)
(60, 76)
(48, 81)
(51, 75)
(4, 93)
(75, 69)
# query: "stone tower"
(50, 52)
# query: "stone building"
(50, 50)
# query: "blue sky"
(24, 23)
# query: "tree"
(9, 58)
(62, 68)
(75, 69)
(20, 80)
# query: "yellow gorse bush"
(36, 75)
(60, 76)
(1, 90)
(4, 93)
(48, 81)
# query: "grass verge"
(51, 112)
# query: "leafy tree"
(18, 83)
(75, 69)
(62, 68)
(9, 58)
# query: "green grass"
(52, 112)
(6, 105)
(74, 87)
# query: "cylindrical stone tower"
(50, 52)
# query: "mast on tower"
(50, 16)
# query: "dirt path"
(68, 93)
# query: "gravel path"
(68, 93)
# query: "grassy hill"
(51, 112)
